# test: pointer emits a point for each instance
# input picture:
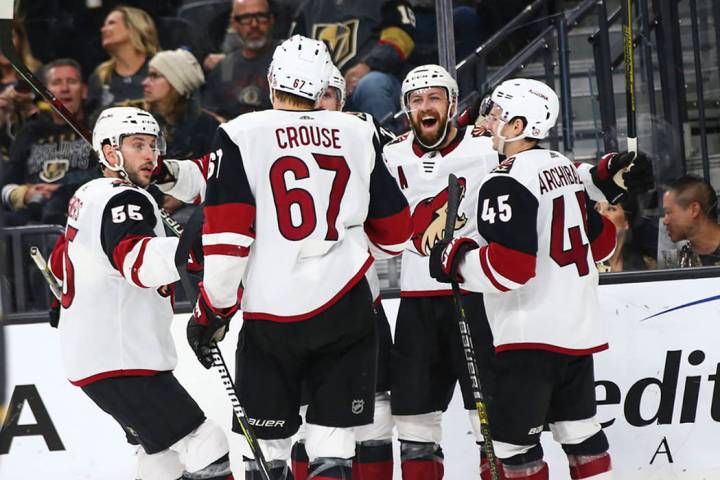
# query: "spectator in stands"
(8, 76)
(468, 27)
(628, 255)
(173, 78)
(238, 83)
(691, 213)
(130, 37)
(369, 42)
(48, 160)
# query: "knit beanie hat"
(180, 68)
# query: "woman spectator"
(16, 101)
(173, 77)
(130, 37)
(628, 254)
(8, 76)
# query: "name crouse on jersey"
(294, 202)
(423, 179)
(111, 260)
(538, 270)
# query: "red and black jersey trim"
(392, 230)
(129, 230)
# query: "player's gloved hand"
(638, 179)
(164, 175)
(54, 312)
(470, 114)
(207, 326)
(445, 258)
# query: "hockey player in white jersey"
(373, 448)
(538, 274)
(295, 195)
(427, 359)
(117, 272)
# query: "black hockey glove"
(638, 179)
(445, 258)
(206, 327)
(54, 312)
(161, 173)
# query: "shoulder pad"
(400, 138)
(480, 131)
(505, 166)
(361, 115)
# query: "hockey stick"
(453, 201)
(8, 49)
(629, 59)
(42, 265)
(193, 228)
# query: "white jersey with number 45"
(290, 206)
(538, 270)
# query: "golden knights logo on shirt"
(340, 38)
(53, 170)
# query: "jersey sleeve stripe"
(224, 249)
(230, 217)
(135, 272)
(226, 239)
(55, 260)
(123, 249)
(604, 245)
(394, 229)
(516, 266)
(487, 270)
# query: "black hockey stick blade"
(452, 207)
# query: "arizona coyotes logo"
(340, 38)
(53, 170)
(429, 219)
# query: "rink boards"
(658, 388)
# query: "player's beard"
(137, 179)
(439, 128)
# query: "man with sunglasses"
(238, 83)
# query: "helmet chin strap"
(503, 140)
(120, 167)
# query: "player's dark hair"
(524, 123)
(691, 188)
(295, 100)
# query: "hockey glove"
(445, 258)
(207, 326)
(471, 113)
(54, 312)
(638, 179)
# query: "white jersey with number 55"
(112, 259)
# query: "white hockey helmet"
(337, 81)
(117, 122)
(300, 66)
(427, 76)
(531, 99)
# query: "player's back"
(558, 308)
(108, 325)
(309, 173)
